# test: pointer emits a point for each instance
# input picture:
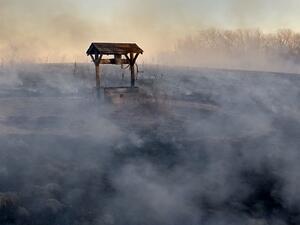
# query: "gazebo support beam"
(132, 70)
(132, 59)
(97, 59)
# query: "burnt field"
(193, 146)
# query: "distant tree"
(212, 46)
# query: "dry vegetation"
(243, 48)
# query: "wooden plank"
(127, 57)
(135, 57)
(113, 61)
(93, 58)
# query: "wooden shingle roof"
(113, 48)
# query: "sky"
(61, 30)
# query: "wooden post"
(132, 75)
(132, 70)
(98, 74)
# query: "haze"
(61, 30)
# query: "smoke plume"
(209, 147)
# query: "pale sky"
(63, 29)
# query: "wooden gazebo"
(123, 53)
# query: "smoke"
(249, 49)
(194, 147)
(60, 31)
(35, 31)
(229, 155)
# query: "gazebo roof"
(113, 48)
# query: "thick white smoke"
(68, 158)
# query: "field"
(193, 146)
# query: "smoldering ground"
(67, 158)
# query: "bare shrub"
(241, 48)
